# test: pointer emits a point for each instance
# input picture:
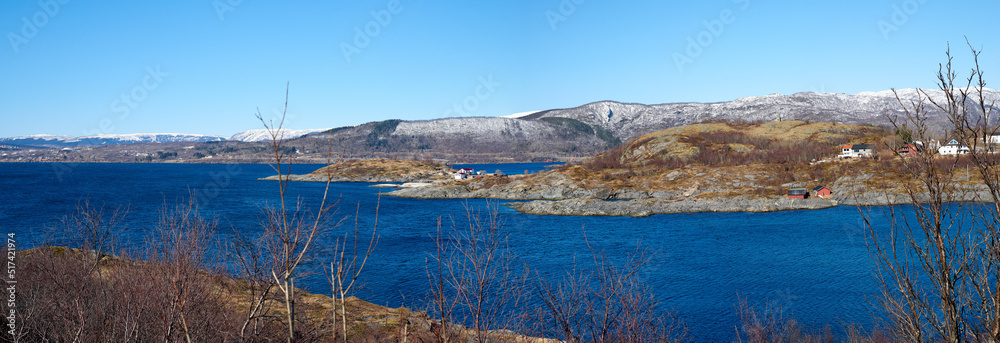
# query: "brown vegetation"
(387, 168)
(740, 158)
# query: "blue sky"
(73, 67)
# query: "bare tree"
(94, 229)
(289, 231)
(938, 263)
(346, 268)
(442, 303)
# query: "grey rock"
(674, 175)
(646, 207)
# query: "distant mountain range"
(587, 128)
(53, 141)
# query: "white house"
(993, 138)
(953, 148)
(856, 151)
(464, 173)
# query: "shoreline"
(595, 205)
(321, 178)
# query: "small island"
(377, 170)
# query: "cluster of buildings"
(953, 147)
(804, 193)
(468, 173)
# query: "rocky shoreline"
(648, 207)
(561, 197)
(369, 179)
(556, 194)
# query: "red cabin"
(798, 193)
(822, 191)
(907, 150)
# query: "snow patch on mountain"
(480, 128)
(258, 135)
(627, 120)
(148, 138)
(107, 139)
(519, 114)
(44, 137)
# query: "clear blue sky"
(204, 66)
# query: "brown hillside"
(739, 144)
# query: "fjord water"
(813, 265)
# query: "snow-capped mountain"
(596, 126)
(263, 134)
(586, 128)
(106, 139)
(627, 120)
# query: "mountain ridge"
(584, 129)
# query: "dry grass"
(388, 168)
(726, 159)
(367, 322)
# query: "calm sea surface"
(814, 265)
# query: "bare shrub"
(770, 325)
(120, 299)
(603, 303)
(92, 228)
(178, 250)
(474, 278)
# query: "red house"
(907, 150)
(798, 193)
(822, 191)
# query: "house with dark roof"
(798, 193)
(856, 151)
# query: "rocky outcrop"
(559, 195)
(323, 178)
(550, 186)
(647, 207)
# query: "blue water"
(814, 265)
